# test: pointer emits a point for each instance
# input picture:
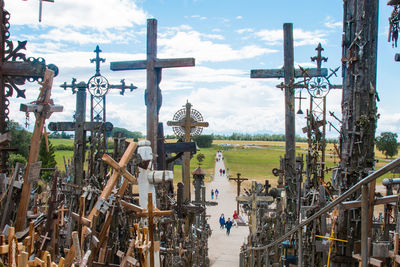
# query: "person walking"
(212, 193)
(228, 226)
(235, 218)
(216, 193)
(222, 221)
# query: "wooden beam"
(279, 73)
(378, 201)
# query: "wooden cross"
(254, 199)
(80, 126)
(239, 180)
(153, 66)
(150, 214)
(188, 123)
(43, 107)
(289, 73)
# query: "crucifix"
(253, 200)
(239, 180)
(15, 69)
(80, 127)
(42, 107)
(153, 66)
(289, 74)
(189, 124)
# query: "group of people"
(216, 193)
(221, 171)
(228, 224)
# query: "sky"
(227, 38)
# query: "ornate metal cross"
(15, 69)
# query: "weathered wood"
(6, 210)
(355, 204)
(22, 69)
(159, 63)
(39, 108)
(280, 73)
(238, 181)
(44, 99)
(72, 126)
(180, 147)
(122, 170)
(153, 66)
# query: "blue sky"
(227, 38)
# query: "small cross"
(319, 58)
(300, 98)
(97, 60)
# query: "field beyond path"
(223, 250)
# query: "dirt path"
(223, 250)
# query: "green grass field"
(251, 162)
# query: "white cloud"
(245, 30)
(301, 37)
(195, 44)
(332, 24)
(99, 14)
(239, 17)
(199, 17)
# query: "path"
(224, 250)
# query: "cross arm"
(72, 126)
(174, 62)
(121, 169)
(158, 63)
(192, 124)
(128, 65)
(180, 147)
(243, 198)
(40, 108)
(279, 73)
(24, 69)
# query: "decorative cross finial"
(319, 58)
(98, 60)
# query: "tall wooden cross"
(43, 107)
(80, 127)
(153, 66)
(238, 181)
(289, 73)
(188, 123)
(253, 199)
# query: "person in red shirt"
(235, 218)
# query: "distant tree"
(204, 140)
(48, 159)
(200, 158)
(127, 133)
(20, 138)
(387, 143)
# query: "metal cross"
(319, 58)
(98, 59)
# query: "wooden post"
(364, 226)
(238, 181)
(153, 66)
(187, 124)
(41, 116)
